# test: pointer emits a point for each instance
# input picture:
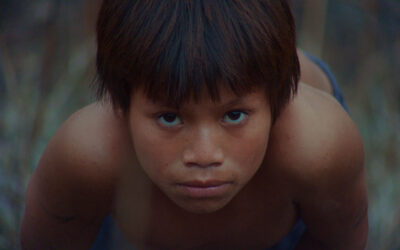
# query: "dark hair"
(174, 48)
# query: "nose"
(203, 149)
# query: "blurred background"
(47, 53)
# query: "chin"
(202, 206)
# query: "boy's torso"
(260, 215)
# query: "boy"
(205, 139)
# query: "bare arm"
(70, 191)
(333, 203)
(342, 226)
(47, 226)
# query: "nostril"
(203, 159)
(203, 148)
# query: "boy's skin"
(309, 163)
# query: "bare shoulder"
(319, 147)
(73, 184)
(86, 150)
(95, 135)
(317, 136)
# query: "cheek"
(253, 150)
(153, 153)
(250, 150)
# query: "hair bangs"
(176, 50)
(199, 46)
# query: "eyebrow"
(163, 103)
(236, 101)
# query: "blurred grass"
(47, 54)
(46, 62)
(361, 43)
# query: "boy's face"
(203, 154)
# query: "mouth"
(204, 189)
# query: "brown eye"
(169, 119)
(235, 117)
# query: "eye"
(235, 117)
(169, 119)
